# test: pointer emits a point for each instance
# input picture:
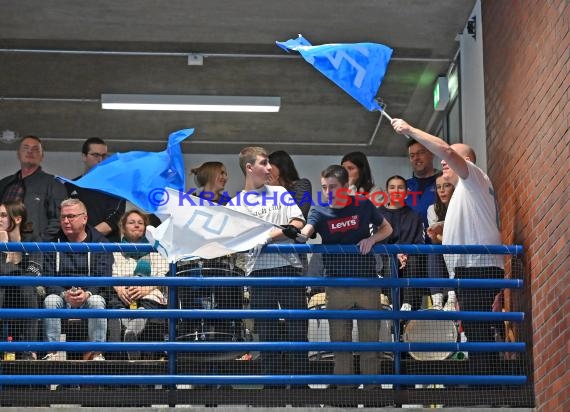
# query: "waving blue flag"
(140, 176)
(357, 68)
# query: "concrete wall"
(527, 96)
(472, 89)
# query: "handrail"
(198, 346)
(189, 281)
(258, 314)
(272, 248)
(261, 379)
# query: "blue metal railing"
(172, 347)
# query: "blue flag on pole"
(140, 176)
(357, 68)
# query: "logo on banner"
(207, 222)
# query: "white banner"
(192, 228)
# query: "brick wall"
(527, 94)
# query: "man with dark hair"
(38, 190)
(346, 220)
(104, 210)
(422, 181)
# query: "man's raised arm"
(435, 145)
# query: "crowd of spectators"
(34, 206)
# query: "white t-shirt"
(431, 215)
(472, 219)
(273, 204)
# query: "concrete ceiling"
(316, 117)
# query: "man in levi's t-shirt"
(346, 220)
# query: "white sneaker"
(51, 356)
(437, 301)
(406, 307)
(451, 304)
(98, 357)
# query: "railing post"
(172, 300)
(396, 322)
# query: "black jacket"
(43, 196)
(31, 264)
(78, 264)
(101, 207)
(407, 225)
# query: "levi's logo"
(344, 224)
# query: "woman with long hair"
(14, 228)
(133, 226)
(359, 173)
(211, 178)
(437, 211)
(284, 173)
(436, 216)
(407, 228)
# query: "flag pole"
(387, 116)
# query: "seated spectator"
(133, 225)
(436, 216)
(74, 229)
(407, 228)
(14, 228)
(211, 178)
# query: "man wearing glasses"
(74, 229)
(422, 180)
(38, 190)
(104, 211)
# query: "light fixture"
(190, 103)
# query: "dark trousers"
(416, 267)
(273, 330)
(480, 300)
(436, 269)
(22, 297)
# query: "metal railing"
(173, 376)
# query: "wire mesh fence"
(338, 329)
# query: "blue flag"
(139, 176)
(357, 68)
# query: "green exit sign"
(440, 94)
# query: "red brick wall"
(526, 56)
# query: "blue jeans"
(97, 327)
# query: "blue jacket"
(78, 264)
(420, 202)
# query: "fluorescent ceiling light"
(190, 103)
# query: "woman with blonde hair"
(211, 178)
(133, 226)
